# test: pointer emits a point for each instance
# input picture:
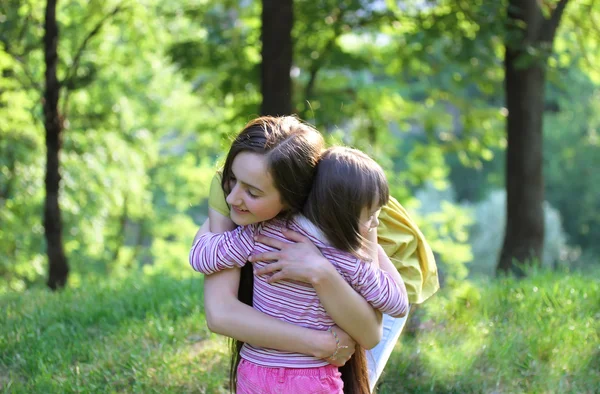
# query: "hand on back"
(299, 260)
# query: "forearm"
(387, 266)
(347, 308)
(371, 247)
(226, 315)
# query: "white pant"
(378, 357)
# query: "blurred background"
(114, 116)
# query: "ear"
(286, 207)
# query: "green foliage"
(22, 175)
(487, 233)
(150, 99)
(138, 149)
(572, 152)
(446, 225)
(220, 56)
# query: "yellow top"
(397, 234)
(216, 196)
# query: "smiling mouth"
(239, 210)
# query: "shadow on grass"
(410, 370)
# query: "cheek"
(364, 230)
(266, 210)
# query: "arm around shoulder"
(216, 252)
(381, 289)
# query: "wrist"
(323, 344)
(322, 273)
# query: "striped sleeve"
(217, 252)
(379, 289)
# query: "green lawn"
(147, 334)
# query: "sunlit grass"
(148, 334)
(537, 335)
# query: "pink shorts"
(256, 379)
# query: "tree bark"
(524, 234)
(57, 261)
(276, 37)
(524, 87)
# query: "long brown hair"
(347, 180)
(292, 149)
(355, 373)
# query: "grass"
(147, 334)
(537, 335)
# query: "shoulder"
(216, 180)
(340, 257)
(216, 196)
(270, 228)
(305, 227)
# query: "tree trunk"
(276, 36)
(524, 234)
(524, 87)
(57, 261)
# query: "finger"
(266, 256)
(274, 267)
(276, 277)
(270, 241)
(336, 362)
(295, 236)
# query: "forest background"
(105, 166)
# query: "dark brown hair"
(355, 373)
(346, 181)
(292, 149)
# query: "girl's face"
(253, 196)
(368, 220)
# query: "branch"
(75, 65)
(32, 82)
(592, 19)
(584, 52)
(337, 32)
(550, 25)
(318, 63)
(73, 70)
(24, 27)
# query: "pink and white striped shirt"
(292, 301)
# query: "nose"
(233, 197)
(375, 222)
